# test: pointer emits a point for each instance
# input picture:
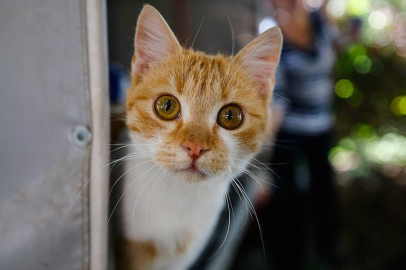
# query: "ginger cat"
(195, 120)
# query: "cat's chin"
(191, 176)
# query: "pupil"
(229, 115)
(168, 105)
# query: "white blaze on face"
(232, 145)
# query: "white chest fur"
(172, 214)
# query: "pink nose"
(195, 150)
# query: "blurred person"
(302, 121)
(350, 34)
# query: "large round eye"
(230, 116)
(167, 107)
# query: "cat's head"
(199, 116)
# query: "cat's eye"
(230, 116)
(167, 107)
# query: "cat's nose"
(195, 150)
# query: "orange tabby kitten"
(195, 120)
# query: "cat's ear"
(153, 42)
(260, 59)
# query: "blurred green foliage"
(370, 86)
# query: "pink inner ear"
(138, 66)
(264, 89)
(263, 70)
(142, 61)
(141, 67)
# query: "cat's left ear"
(153, 42)
(260, 59)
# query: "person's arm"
(295, 23)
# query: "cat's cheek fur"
(237, 156)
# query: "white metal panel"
(44, 95)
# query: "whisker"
(132, 218)
(263, 164)
(231, 205)
(256, 178)
(273, 164)
(127, 146)
(266, 167)
(253, 211)
(228, 230)
(127, 157)
(149, 197)
(198, 30)
(232, 36)
(224, 42)
(121, 197)
(87, 183)
(239, 195)
(249, 163)
(139, 195)
(115, 183)
(253, 176)
(186, 42)
(282, 97)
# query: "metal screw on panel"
(81, 136)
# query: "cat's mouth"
(193, 171)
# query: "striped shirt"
(304, 87)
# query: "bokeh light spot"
(343, 160)
(385, 151)
(356, 98)
(377, 20)
(344, 88)
(364, 131)
(312, 5)
(336, 8)
(398, 106)
(265, 24)
(362, 64)
(356, 50)
(348, 144)
(358, 7)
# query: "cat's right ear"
(153, 42)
